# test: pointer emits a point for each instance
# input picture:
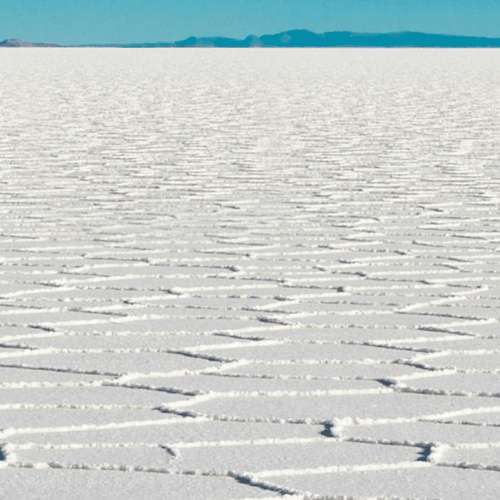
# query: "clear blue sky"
(108, 21)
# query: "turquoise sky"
(108, 21)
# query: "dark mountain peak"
(187, 42)
(294, 38)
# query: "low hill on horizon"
(303, 38)
(12, 42)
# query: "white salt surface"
(249, 274)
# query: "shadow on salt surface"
(52, 484)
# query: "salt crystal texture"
(249, 274)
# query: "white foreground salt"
(249, 274)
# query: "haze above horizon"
(122, 21)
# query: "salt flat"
(249, 274)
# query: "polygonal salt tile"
(422, 432)
(423, 482)
(476, 383)
(351, 333)
(54, 484)
(78, 395)
(32, 421)
(161, 325)
(216, 383)
(379, 370)
(304, 351)
(96, 454)
(154, 427)
(274, 455)
(111, 363)
(465, 360)
(376, 404)
(483, 456)
(128, 341)
(452, 342)
(20, 376)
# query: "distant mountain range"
(303, 38)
